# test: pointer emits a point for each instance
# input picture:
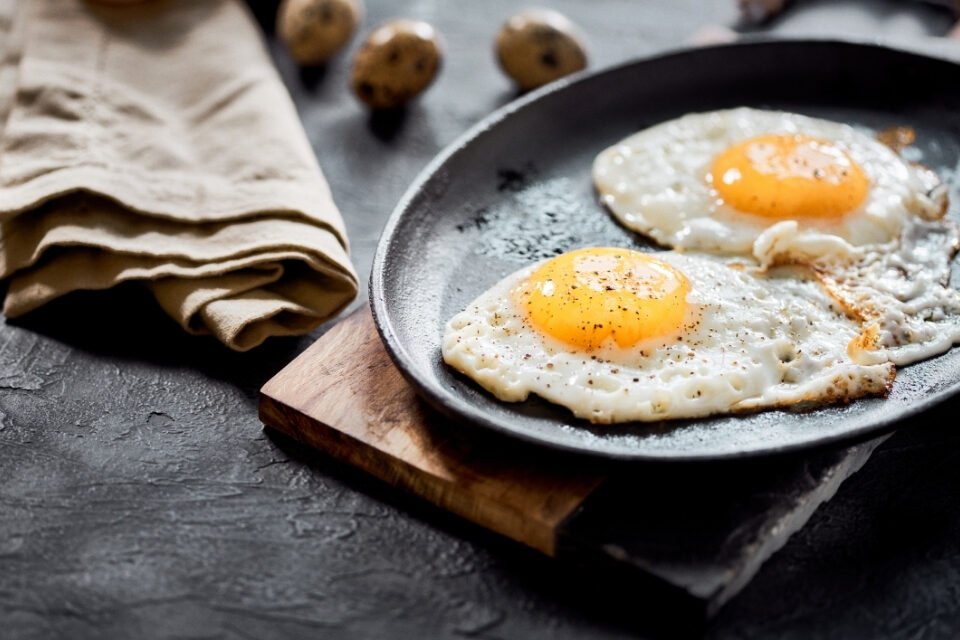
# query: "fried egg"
(716, 181)
(616, 335)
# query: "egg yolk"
(584, 297)
(786, 176)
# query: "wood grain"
(344, 396)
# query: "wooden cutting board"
(692, 535)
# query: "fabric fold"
(156, 143)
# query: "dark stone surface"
(140, 497)
(699, 538)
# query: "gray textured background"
(139, 496)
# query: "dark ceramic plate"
(517, 188)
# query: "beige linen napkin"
(156, 143)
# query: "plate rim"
(443, 403)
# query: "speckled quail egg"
(314, 30)
(538, 46)
(396, 62)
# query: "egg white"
(901, 289)
(748, 343)
(655, 182)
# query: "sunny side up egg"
(616, 335)
(716, 181)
